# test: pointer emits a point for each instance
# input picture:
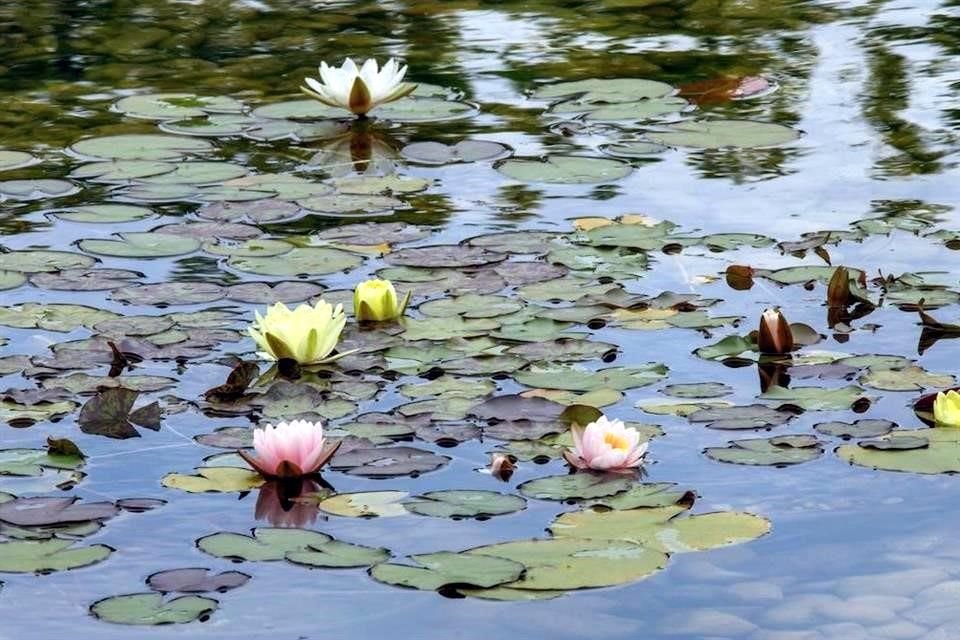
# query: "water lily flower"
(775, 336)
(359, 89)
(376, 300)
(502, 466)
(289, 449)
(306, 334)
(606, 445)
(946, 409)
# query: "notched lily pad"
(386, 462)
(150, 609)
(561, 169)
(437, 570)
(779, 451)
(463, 504)
(196, 580)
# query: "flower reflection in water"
(361, 150)
(284, 503)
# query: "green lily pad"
(577, 486)
(417, 109)
(631, 149)
(214, 480)
(776, 452)
(43, 261)
(13, 412)
(366, 504)
(858, 429)
(385, 462)
(560, 169)
(40, 189)
(173, 106)
(754, 416)
(263, 546)
(450, 386)
(32, 462)
(15, 159)
(437, 153)
(446, 328)
(605, 90)
(438, 570)
(105, 213)
(141, 245)
(140, 147)
(912, 378)
(645, 496)
(150, 609)
(464, 504)
(335, 554)
(660, 529)
(121, 171)
(698, 390)
(815, 398)
(715, 134)
(45, 556)
(380, 185)
(576, 563)
(941, 455)
(470, 306)
(343, 204)
(557, 376)
(11, 280)
(298, 261)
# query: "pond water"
(652, 175)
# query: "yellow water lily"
(376, 300)
(946, 409)
(306, 334)
(359, 89)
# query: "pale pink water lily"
(289, 449)
(606, 445)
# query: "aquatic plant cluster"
(347, 376)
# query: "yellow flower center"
(616, 441)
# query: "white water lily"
(306, 334)
(359, 89)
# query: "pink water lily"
(290, 449)
(606, 445)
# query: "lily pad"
(858, 429)
(912, 378)
(298, 261)
(151, 609)
(576, 563)
(387, 462)
(463, 504)
(445, 568)
(39, 189)
(173, 106)
(715, 134)
(141, 245)
(556, 376)
(43, 261)
(264, 545)
(105, 213)
(15, 159)
(140, 147)
(196, 580)
(44, 511)
(755, 416)
(660, 529)
(577, 486)
(816, 398)
(561, 169)
(45, 556)
(437, 153)
(366, 504)
(214, 480)
(780, 451)
(941, 455)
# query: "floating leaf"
(141, 245)
(562, 169)
(151, 609)
(298, 261)
(816, 398)
(714, 134)
(437, 153)
(557, 376)
(26, 190)
(940, 455)
(437, 570)
(858, 429)
(755, 416)
(140, 147)
(43, 261)
(368, 504)
(44, 511)
(778, 452)
(195, 580)
(911, 378)
(214, 480)
(387, 461)
(576, 563)
(44, 556)
(577, 486)
(463, 504)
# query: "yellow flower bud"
(946, 409)
(376, 300)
